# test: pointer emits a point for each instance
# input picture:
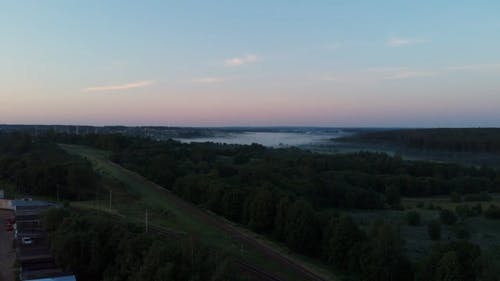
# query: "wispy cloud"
(406, 74)
(384, 73)
(241, 60)
(209, 80)
(133, 85)
(386, 69)
(401, 42)
(484, 66)
(375, 74)
(397, 73)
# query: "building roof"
(63, 278)
(31, 203)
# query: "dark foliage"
(434, 230)
(285, 193)
(457, 261)
(447, 217)
(413, 218)
(98, 247)
(37, 166)
(445, 139)
(493, 212)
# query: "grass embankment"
(132, 195)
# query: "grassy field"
(484, 232)
(132, 195)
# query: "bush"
(413, 218)
(477, 210)
(493, 212)
(454, 261)
(434, 230)
(481, 197)
(461, 231)
(447, 216)
(455, 197)
(468, 211)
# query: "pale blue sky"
(218, 63)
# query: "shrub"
(447, 216)
(468, 211)
(413, 218)
(455, 197)
(462, 210)
(434, 230)
(481, 197)
(477, 210)
(493, 212)
(461, 231)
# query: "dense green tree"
(455, 197)
(459, 260)
(232, 204)
(493, 212)
(461, 231)
(97, 247)
(449, 268)
(434, 230)
(384, 258)
(346, 244)
(281, 218)
(261, 210)
(392, 195)
(413, 218)
(302, 229)
(447, 216)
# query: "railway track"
(176, 235)
(255, 272)
(243, 266)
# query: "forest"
(97, 246)
(37, 166)
(444, 139)
(296, 197)
(291, 196)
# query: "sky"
(360, 63)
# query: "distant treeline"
(37, 166)
(446, 139)
(98, 247)
(288, 194)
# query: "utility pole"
(110, 198)
(146, 221)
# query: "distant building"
(33, 246)
(28, 203)
(60, 278)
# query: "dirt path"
(7, 253)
